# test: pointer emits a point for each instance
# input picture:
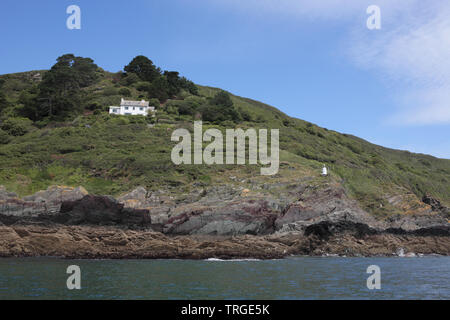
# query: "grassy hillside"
(112, 154)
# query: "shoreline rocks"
(221, 222)
(105, 242)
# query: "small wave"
(230, 260)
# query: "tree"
(222, 99)
(59, 91)
(173, 82)
(221, 109)
(144, 68)
(30, 107)
(159, 89)
(189, 86)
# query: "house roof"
(142, 103)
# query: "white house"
(133, 108)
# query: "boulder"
(100, 210)
(42, 203)
(324, 205)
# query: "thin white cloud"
(314, 9)
(424, 107)
(411, 51)
(413, 54)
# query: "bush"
(129, 79)
(125, 92)
(153, 102)
(4, 137)
(17, 126)
(143, 86)
(110, 91)
(246, 116)
(119, 120)
(95, 106)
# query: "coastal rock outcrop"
(107, 242)
(217, 222)
(100, 210)
(329, 205)
(46, 202)
(217, 211)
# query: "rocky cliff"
(223, 221)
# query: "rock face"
(325, 205)
(218, 211)
(436, 205)
(87, 242)
(228, 218)
(44, 202)
(100, 210)
(220, 221)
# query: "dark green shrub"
(17, 126)
(110, 91)
(129, 79)
(95, 106)
(125, 92)
(4, 137)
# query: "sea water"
(293, 278)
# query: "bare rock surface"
(329, 205)
(43, 202)
(102, 242)
(223, 221)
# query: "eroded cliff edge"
(223, 221)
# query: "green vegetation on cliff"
(55, 129)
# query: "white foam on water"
(231, 260)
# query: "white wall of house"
(132, 108)
(131, 111)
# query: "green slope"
(112, 155)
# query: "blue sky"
(314, 60)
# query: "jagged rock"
(4, 195)
(136, 198)
(100, 210)
(435, 205)
(416, 222)
(54, 196)
(221, 210)
(227, 218)
(42, 203)
(324, 205)
(96, 242)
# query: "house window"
(115, 110)
(142, 109)
(126, 108)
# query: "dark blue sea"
(292, 278)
